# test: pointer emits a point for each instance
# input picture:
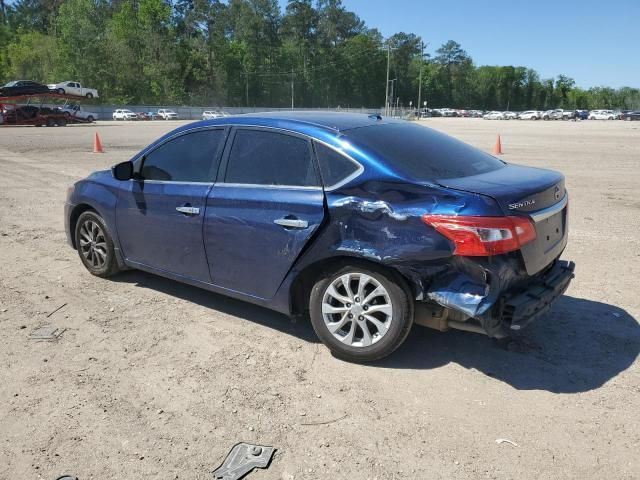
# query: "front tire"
(361, 313)
(95, 246)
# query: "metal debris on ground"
(61, 306)
(242, 459)
(505, 440)
(47, 332)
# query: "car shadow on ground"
(578, 346)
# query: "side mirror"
(123, 171)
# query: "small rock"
(160, 411)
(112, 309)
(22, 327)
(4, 309)
(251, 429)
(303, 414)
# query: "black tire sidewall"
(111, 266)
(398, 331)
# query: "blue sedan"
(363, 224)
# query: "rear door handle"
(188, 210)
(291, 223)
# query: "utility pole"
(420, 81)
(386, 85)
(292, 89)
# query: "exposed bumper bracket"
(520, 308)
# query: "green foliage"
(250, 53)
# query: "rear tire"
(51, 122)
(89, 96)
(95, 246)
(61, 91)
(368, 320)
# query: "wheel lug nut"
(365, 308)
(350, 315)
(360, 317)
(348, 305)
(357, 299)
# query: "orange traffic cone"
(497, 148)
(97, 145)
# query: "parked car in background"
(510, 115)
(304, 222)
(211, 114)
(76, 111)
(73, 88)
(124, 114)
(494, 116)
(33, 115)
(142, 116)
(530, 115)
(582, 114)
(167, 114)
(22, 87)
(601, 115)
(631, 115)
(551, 115)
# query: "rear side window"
(260, 157)
(422, 153)
(193, 157)
(334, 167)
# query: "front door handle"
(188, 210)
(291, 223)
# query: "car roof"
(303, 121)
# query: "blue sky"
(594, 42)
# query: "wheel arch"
(303, 282)
(75, 215)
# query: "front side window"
(261, 157)
(193, 157)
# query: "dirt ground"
(154, 379)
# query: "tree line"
(315, 53)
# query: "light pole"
(420, 81)
(386, 85)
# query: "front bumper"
(517, 309)
(68, 208)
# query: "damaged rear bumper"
(504, 302)
(516, 310)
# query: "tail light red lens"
(483, 236)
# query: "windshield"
(423, 153)
(11, 84)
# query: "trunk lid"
(537, 193)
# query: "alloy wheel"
(357, 309)
(93, 244)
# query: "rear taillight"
(483, 236)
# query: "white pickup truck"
(77, 112)
(73, 88)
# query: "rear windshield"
(423, 153)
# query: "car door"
(263, 212)
(160, 215)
